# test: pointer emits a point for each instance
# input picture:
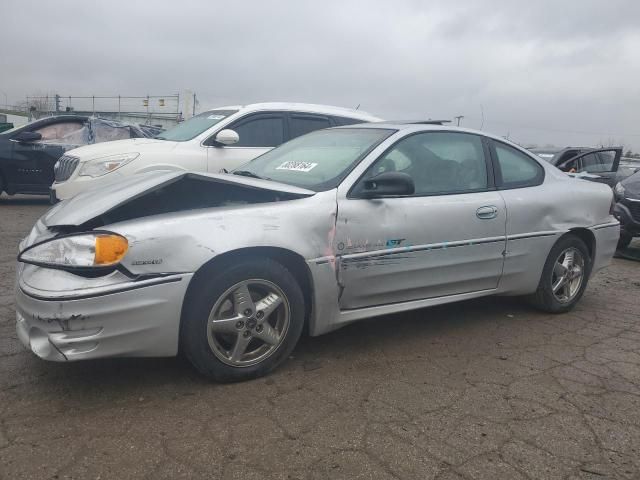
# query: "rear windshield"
(193, 127)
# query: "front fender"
(184, 241)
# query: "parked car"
(332, 227)
(627, 209)
(595, 164)
(223, 138)
(628, 166)
(28, 153)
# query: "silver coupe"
(332, 227)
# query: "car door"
(33, 161)
(602, 164)
(258, 133)
(447, 238)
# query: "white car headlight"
(93, 250)
(619, 190)
(103, 165)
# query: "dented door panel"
(402, 249)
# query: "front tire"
(242, 322)
(564, 277)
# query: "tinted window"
(301, 124)
(598, 162)
(516, 168)
(260, 131)
(438, 162)
(347, 121)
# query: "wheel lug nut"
(239, 324)
(247, 312)
(246, 333)
(259, 328)
(259, 314)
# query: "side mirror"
(227, 137)
(27, 137)
(388, 184)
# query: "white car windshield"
(317, 161)
(193, 127)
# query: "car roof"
(303, 107)
(414, 128)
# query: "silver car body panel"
(363, 257)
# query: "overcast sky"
(547, 72)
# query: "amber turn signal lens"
(110, 249)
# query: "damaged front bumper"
(132, 319)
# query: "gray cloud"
(544, 72)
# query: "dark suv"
(627, 208)
(29, 153)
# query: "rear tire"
(624, 241)
(242, 322)
(564, 277)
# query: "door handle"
(487, 212)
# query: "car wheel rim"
(248, 323)
(567, 275)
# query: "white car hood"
(139, 145)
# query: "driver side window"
(264, 130)
(438, 162)
(597, 162)
(63, 132)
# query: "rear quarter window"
(514, 169)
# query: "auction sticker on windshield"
(297, 166)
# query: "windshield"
(317, 161)
(195, 125)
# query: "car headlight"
(619, 190)
(101, 166)
(86, 250)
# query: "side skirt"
(347, 316)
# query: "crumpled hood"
(93, 203)
(139, 145)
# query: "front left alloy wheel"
(242, 322)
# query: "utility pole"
(458, 118)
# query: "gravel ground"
(482, 389)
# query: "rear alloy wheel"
(564, 277)
(243, 321)
(567, 275)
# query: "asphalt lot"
(483, 389)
